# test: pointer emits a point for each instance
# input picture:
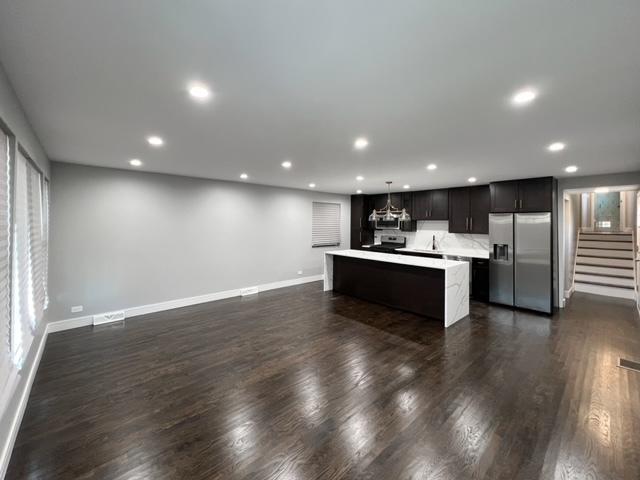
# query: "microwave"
(394, 224)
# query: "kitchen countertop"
(455, 276)
(460, 252)
(426, 262)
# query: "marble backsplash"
(423, 237)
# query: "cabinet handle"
(466, 223)
(520, 203)
(515, 203)
(471, 223)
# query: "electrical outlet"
(299, 272)
(77, 309)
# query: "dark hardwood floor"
(300, 384)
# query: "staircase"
(604, 264)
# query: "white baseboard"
(69, 323)
(180, 302)
(568, 293)
(7, 446)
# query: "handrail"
(575, 261)
(636, 260)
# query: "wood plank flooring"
(301, 384)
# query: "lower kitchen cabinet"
(480, 279)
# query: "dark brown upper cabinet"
(380, 201)
(399, 200)
(528, 195)
(430, 205)
(469, 209)
(361, 233)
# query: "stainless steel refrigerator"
(520, 269)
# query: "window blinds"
(5, 271)
(325, 230)
(27, 292)
(45, 242)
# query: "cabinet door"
(535, 195)
(480, 279)
(396, 200)
(379, 201)
(458, 210)
(439, 205)
(358, 211)
(479, 206)
(421, 205)
(504, 197)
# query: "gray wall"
(125, 238)
(13, 116)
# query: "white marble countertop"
(436, 263)
(460, 252)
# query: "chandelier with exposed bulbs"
(389, 212)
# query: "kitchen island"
(427, 286)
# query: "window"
(28, 296)
(325, 230)
(5, 267)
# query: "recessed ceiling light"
(472, 179)
(244, 176)
(432, 166)
(358, 191)
(135, 162)
(602, 190)
(406, 187)
(556, 147)
(155, 141)
(359, 178)
(360, 143)
(571, 169)
(286, 164)
(199, 91)
(524, 96)
(312, 185)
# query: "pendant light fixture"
(389, 212)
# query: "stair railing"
(636, 261)
(575, 262)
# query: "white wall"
(572, 221)
(13, 117)
(125, 238)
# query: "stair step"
(606, 281)
(607, 235)
(606, 238)
(604, 253)
(605, 245)
(608, 291)
(606, 271)
(608, 262)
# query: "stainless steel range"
(389, 244)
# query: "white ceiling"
(425, 81)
